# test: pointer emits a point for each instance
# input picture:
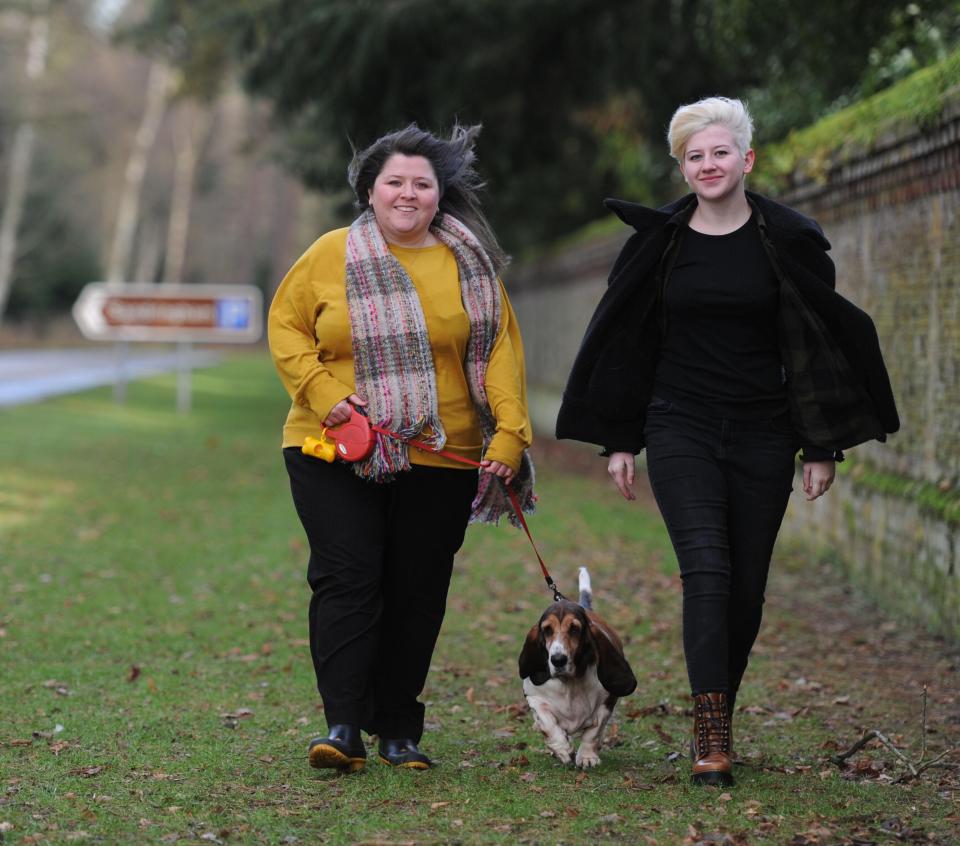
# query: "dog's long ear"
(533, 657)
(612, 668)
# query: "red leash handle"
(513, 497)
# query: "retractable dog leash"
(354, 441)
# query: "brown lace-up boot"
(711, 740)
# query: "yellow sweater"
(309, 333)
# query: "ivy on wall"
(807, 155)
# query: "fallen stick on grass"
(915, 768)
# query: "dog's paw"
(564, 756)
(587, 758)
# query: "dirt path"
(827, 651)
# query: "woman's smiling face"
(713, 165)
(405, 198)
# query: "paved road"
(33, 375)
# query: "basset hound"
(573, 672)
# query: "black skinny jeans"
(722, 487)
(381, 558)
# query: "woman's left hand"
(498, 469)
(817, 478)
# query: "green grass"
(155, 682)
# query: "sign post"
(184, 348)
(166, 313)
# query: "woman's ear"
(533, 657)
(612, 668)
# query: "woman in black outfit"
(721, 346)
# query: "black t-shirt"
(720, 354)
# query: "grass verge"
(155, 682)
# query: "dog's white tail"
(586, 591)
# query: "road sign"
(170, 313)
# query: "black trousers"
(381, 557)
(722, 487)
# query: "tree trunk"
(128, 212)
(191, 131)
(21, 159)
(149, 247)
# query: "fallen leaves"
(697, 837)
(59, 688)
(88, 772)
(816, 834)
(666, 738)
(630, 783)
(47, 735)
(663, 709)
(232, 719)
(784, 716)
(155, 775)
(516, 710)
(864, 768)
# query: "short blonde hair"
(688, 120)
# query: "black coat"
(837, 385)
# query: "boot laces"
(713, 726)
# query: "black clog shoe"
(403, 753)
(342, 749)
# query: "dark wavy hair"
(453, 163)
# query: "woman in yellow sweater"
(401, 314)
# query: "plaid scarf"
(393, 362)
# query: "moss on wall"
(808, 154)
(942, 502)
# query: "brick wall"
(892, 520)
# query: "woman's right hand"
(621, 468)
(341, 412)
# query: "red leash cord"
(513, 497)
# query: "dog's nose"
(558, 660)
